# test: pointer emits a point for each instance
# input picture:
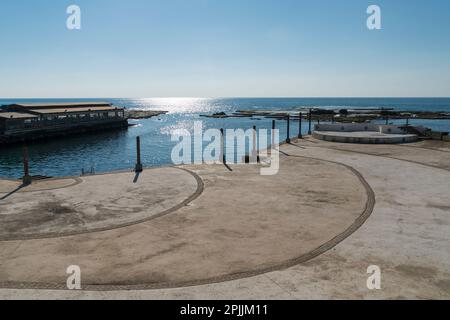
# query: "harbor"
(112, 150)
(368, 176)
(348, 195)
(225, 153)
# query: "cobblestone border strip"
(76, 180)
(425, 148)
(387, 157)
(358, 223)
(330, 146)
(195, 195)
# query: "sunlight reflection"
(176, 105)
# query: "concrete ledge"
(364, 137)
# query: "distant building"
(24, 122)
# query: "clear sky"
(224, 48)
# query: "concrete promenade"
(205, 232)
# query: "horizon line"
(235, 97)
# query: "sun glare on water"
(177, 105)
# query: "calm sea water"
(111, 151)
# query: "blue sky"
(224, 48)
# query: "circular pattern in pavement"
(243, 224)
(61, 207)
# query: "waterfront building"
(23, 122)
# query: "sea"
(116, 150)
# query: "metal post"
(288, 139)
(310, 120)
(272, 146)
(26, 170)
(255, 147)
(222, 147)
(139, 167)
(300, 136)
(407, 122)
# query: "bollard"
(300, 136)
(288, 139)
(273, 136)
(222, 147)
(138, 167)
(26, 180)
(255, 146)
(310, 121)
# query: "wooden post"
(300, 136)
(310, 121)
(26, 180)
(288, 139)
(139, 167)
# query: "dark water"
(110, 151)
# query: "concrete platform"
(364, 137)
(61, 207)
(407, 234)
(243, 224)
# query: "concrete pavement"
(407, 234)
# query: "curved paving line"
(383, 156)
(195, 195)
(397, 145)
(77, 181)
(424, 148)
(367, 212)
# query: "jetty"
(134, 114)
(336, 115)
(34, 121)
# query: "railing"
(54, 123)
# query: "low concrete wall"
(347, 127)
(359, 127)
(391, 129)
(435, 135)
(61, 130)
(394, 139)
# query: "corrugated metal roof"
(61, 104)
(16, 115)
(75, 110)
